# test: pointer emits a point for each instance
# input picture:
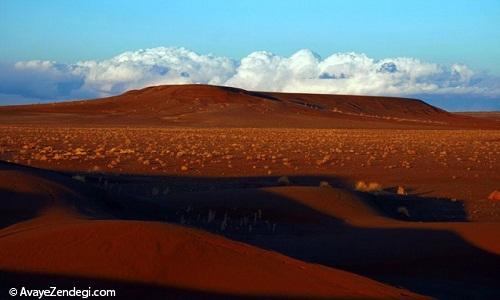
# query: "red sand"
(164, 207)
(61, 240)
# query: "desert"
(209, 192)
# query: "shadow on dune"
(17, 207)
(28, 191)
(123, 289)
(433, 262)
(157, 189)
(424, 209)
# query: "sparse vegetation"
(464, 156)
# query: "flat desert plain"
(204, 192)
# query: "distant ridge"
(195, 105)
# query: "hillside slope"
(214, 106)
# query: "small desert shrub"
(495, 196)
(403, 211)
(361, 186)
(78, 177)
(368, 187)
(211, 215)
(401, 191)
(324, 184)
(374, 187)
(283, 180)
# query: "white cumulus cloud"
(304, 71)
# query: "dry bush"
(495, 196)
(79, 177)
(401, 191)
(284, 180)
(368, 187)
(324, 184)
(403, 211)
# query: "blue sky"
(441, 32)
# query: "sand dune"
(67, 234)
(67, 228)
(337, 227)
